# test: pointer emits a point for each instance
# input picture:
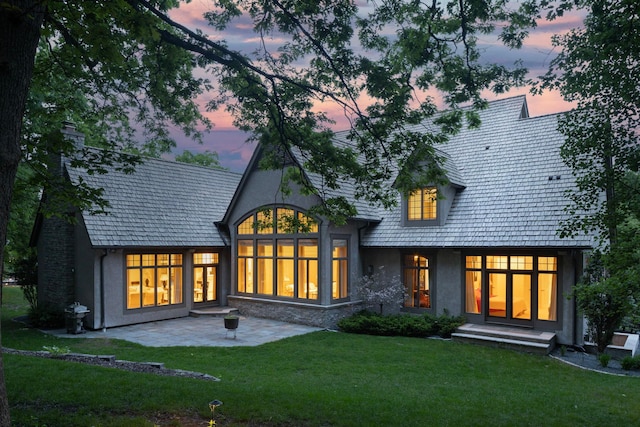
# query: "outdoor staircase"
(213, 311)
(520, 339)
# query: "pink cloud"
(230, 144)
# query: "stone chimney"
(56, 244)
(69, 131)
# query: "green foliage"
(17, 254)
(407, 325)
(124, 72)
(409, 48)
(106, 69)
(55, 350)
(25, 271)
(604, 359)
(46, 317)
(629, 363)
(596, 69)
(604, 300)
(207, 159)
(332, 381)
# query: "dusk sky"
(231, 146)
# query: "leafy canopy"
(597, 68)
(129, 70)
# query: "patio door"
(509, 298)
(204, 287)
(205, 278)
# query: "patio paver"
(202, 331)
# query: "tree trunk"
(20, 23)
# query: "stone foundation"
(295, 312)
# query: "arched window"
(277, 254)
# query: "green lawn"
(319, 379)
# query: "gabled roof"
(162, 204)
(347, 187)
(366, 212)
(448, 166)
(510, 180)
(515, 187)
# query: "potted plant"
(231, 321)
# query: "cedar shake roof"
(162, 204)
(514, 187)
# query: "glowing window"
(416, 281)
(284, 267)
(153, 280)
(340, 268)
(423, 204)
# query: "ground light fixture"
(213, 405)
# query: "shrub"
(380, 289)
(604, 301)
(46, 317)
(407, 325)
(629, 363)
(604, 359)
(26, 274)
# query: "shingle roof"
(347, 188)
(509, 199)
(163, 203)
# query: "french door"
(204, 284)
(509, 297)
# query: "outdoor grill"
(75, 314)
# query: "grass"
(318, 379)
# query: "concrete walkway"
(204, 331)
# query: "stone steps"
(520, 339)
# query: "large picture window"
(277, 254)
(512, 287)
(153, 280)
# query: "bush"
(407, 325)
(604, 300)
(45, 317)
(604, 359)
(26, 274)
(629, 363)
(380, 290)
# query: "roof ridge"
(147, 158)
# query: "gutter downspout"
(578, 269)
(103, 326)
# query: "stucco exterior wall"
(116, 313)
(571, 269)
(448, 280)
(445, 273)
(86, 277)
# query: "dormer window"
(422, 205)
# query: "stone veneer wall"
(56, 264)
(295, 312)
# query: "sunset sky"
(230, 143)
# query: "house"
(179, 237)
